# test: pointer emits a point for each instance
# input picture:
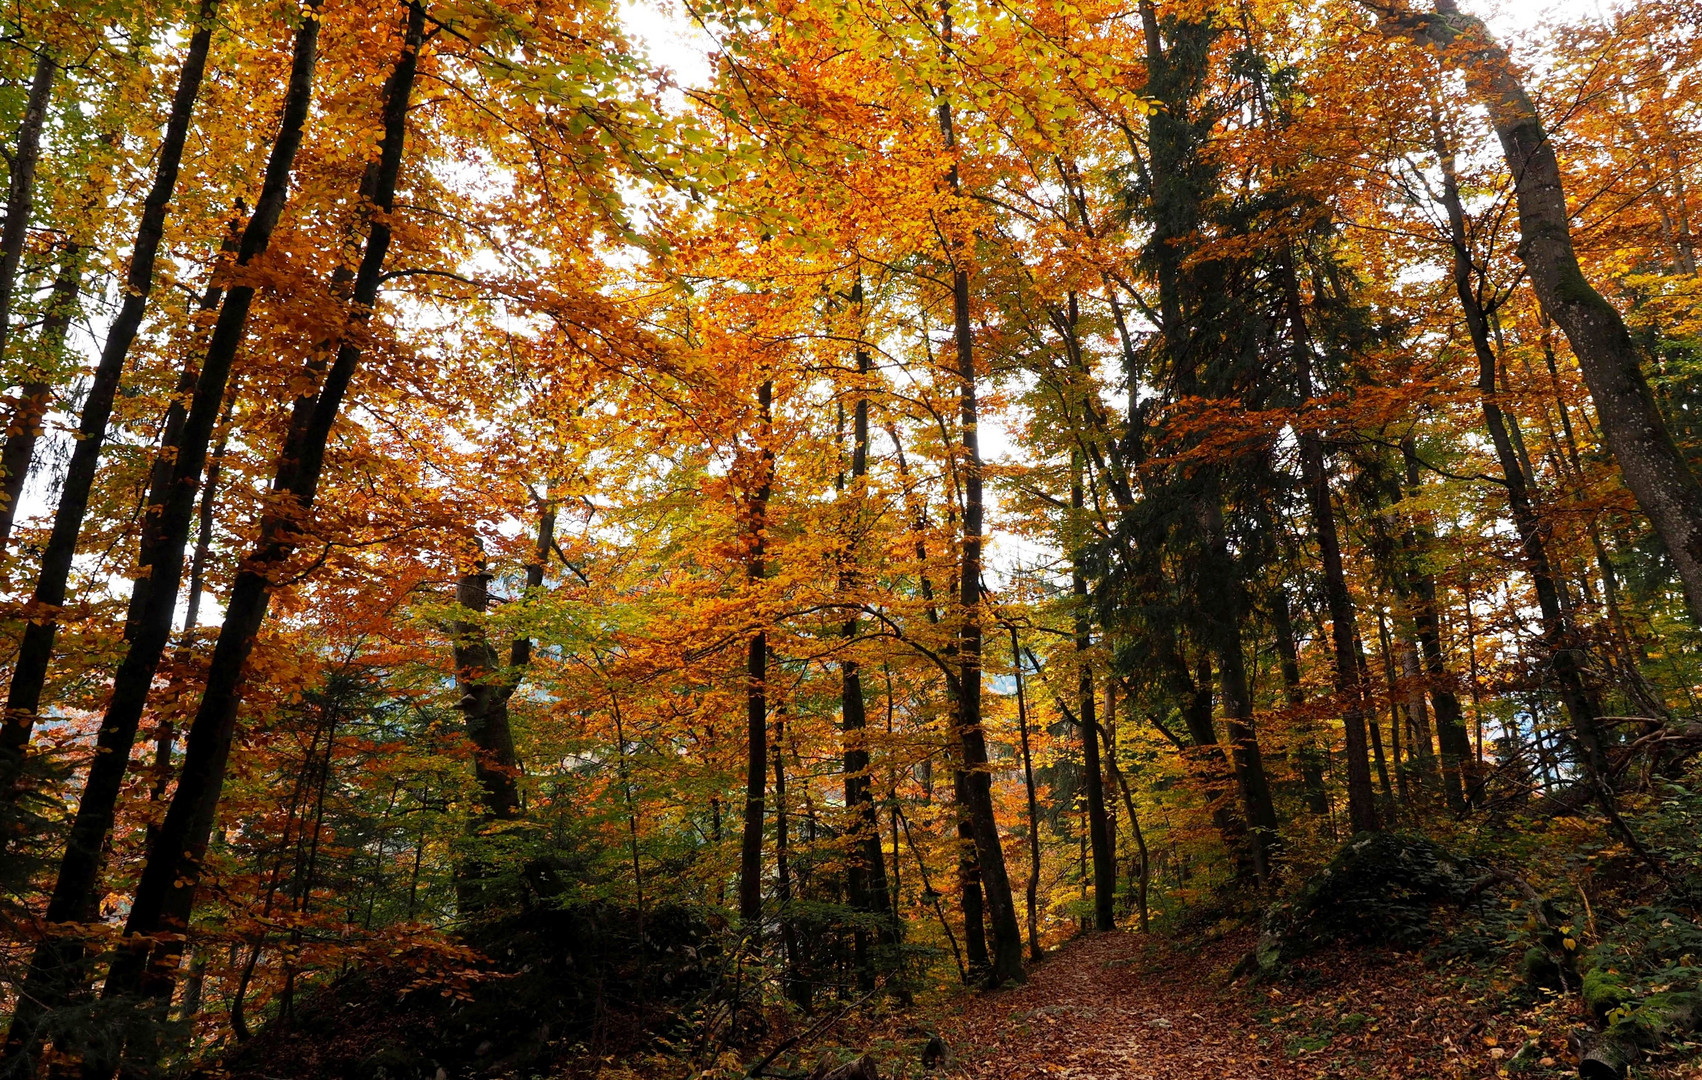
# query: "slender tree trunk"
(1210, 766)
(20, 193)
(796, 987)
(29, 672)
(56, 966)
(1361, 801)
(1099, 832)
(1223, 605)
(1374, 728)
(865, 877)
(24, 430)
(1562, 651)
(756, 693)
(1033, 805)
(1143, 864)
(1006, 954)
(1632, 426)
(1454, 743)
(1310, 757)
(175, 859)
(1396, 708)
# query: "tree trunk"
(797, 988)
(1098, 829)
(1309, 757)
(756, 694)
(1222, 606)
(55, 968)
(20, 192)
(1361, 800)
(174, 861)
(865, 877)
(1006, 954)
(24, 430)
(29, 672)
(1033, 804)
(1454, 743)
(1632, 426)
(1557, 637)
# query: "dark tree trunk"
(1453, 742)
(1033, 804)
(1561, 650)
(1098, 828)
(486, 686)
(24, 430)
(56, 967)
(1006, 954)
(1632, 426)
(20, 192)
(1310, 758)
(970, 897)
(172, 870)
(756, 694)
(1361, 800)
(29, 672)
(865, 877)
(1222, 605)
(797, 987)
(1206, 759)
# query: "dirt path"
(1120, 1005)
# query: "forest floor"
(1139, 1006)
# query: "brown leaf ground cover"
(1126, 1005)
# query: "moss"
(1604, 991)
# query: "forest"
(984, 538)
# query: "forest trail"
(1123, 1006)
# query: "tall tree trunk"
(487, 685)
(174, 861)
(24, 429)
(20, 192)
(56, 965)
(797, 988)
(865, 877)
(1557, 638)
(29, 672)
(970, 896)
(756, 692)
(1006, 953)
(1451, 736)
(1098, 830)
(1033, 804)
(968, 876)
(1361, 800)
(1632, 426)
(1309, 757)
